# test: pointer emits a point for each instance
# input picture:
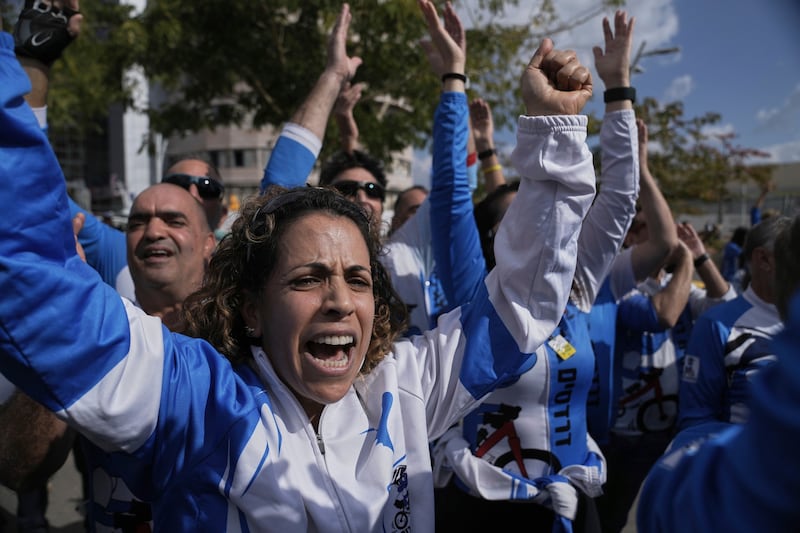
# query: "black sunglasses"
(207, 187)
(350, 188)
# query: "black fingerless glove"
(41, 31)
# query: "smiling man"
(169, 243)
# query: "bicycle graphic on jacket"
(501, 417)
(656, 414)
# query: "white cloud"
(656, 23)
(788, 152)
(784, 115)
(679, 89)
(719, 129)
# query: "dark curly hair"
(246, 257)
(341, 161)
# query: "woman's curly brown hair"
(245, 258)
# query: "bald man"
(169, 243)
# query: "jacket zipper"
(320, 444)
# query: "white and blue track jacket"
(549, 399)
(648, 352)
(718, 476)
(218, 448)
(728, 346)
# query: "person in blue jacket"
(304, 411)
(718, 476)
(525, 455)
(731, 342)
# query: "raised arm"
(482, 122)
(670, 301)
(66, 338)
(556, 190)
(299, 144)
(454, 237)
(103, 245)
(343, 113)
(615, 206)
(662, 236)
(715, 284)
(755, 209)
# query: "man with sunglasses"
(106, 248)
(204, 181)
(358, 176)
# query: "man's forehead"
(165, 197)
(355, 173)
(193, 167)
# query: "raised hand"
(349, 95)
(613, 63)
(555, 82)
(338, 61)
(348, 98)
(480, 115)
(447, 47)
(45, 28)
(688, 235)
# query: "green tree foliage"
(230, 60)
(235, 61)
(692, 164)
(89, 78)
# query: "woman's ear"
(251, 317)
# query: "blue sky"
(738, 58)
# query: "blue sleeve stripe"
(290, 163)
(491, 353)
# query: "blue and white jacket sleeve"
(57, 315)
(292, 158)
(104, 246)
(614, 208)
(454, 236)
(537, 241)
(490, 339)
(739, 478)
(67, 339)
(41, 274)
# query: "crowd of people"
(539, 355)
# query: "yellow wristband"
(493, 168)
